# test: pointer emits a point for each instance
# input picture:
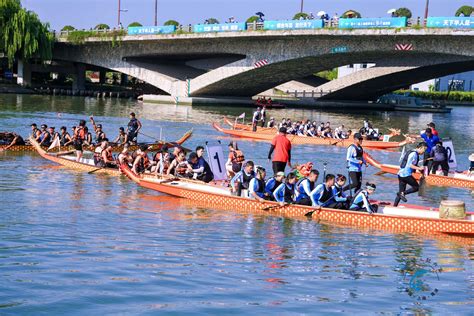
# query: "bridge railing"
(431, 22)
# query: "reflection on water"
(97, 244)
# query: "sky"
(88, 13)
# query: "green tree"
(351, 14)
(68, 28)
(403, 12)
(102, 26)
(300, 16)
(172, 22)
(252, 19)
(22, 34)
(212, 21)
(466, 10)
(134, 24)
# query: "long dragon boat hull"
(400, 219)
(456, 179)
(302, 140)
(117, 148)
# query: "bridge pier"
(102, 76)
(79, 82)
(123, 79)
(23, 73)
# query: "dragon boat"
(269, 134)
(404, 218)
(453, 179)
(68, 158)
(115, 148)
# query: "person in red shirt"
(281, 145)
(433, 130)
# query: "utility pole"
(156, 12)
(302, 4)
(119, 10)
(426, 11)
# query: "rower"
(340, 199)
(142, 162)
(44, 138)
(274, 183)
(98, 154)
(285, 192)
(361, 203)
(304, 187)
(78, 139)
(163, 160)
(257, 186)
(35, 132)
(52, 134)
(99, 133)
(257, 117)
(439, 156)
(202, 167)
(179, 166)
(133, 128)
(107, 156)
(64, 138)
(271, 123)
(240, 182)
(322, 195)
(122, 137)
(471, 167)
(355, 160)
(235, 160)
(405, 176)
(13, 139)
(124, 156)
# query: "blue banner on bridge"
(227, 27)
(293, 24)
(457, 22)
(144, 30)
(372, 23)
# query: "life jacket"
(35, 132)
(405, 158)
(359, 151)
(246, 180)
(181, 168)
(361, 203)
(132, 125)
(289, 192)
(99, 137)
(257, 116)
(339, 190)
(277, 183)
(261, 186)
(300, 189)
(98, 156)
(144, 164)
(63, 139)
(43, 136)
(79, 135)
(238, 157)
(326, 195)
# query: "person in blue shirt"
(355, 160)
(340, 200)
(322, 195)
(202, 167)
(285, 192)
(273, 183)
(408, 166)
(257, 185)
(304, 187)
(431, 140)
(241, 179)
(361, 202)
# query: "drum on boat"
(452, 209)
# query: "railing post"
(254, 26)
(312, 93)
(296, 93)
(321, 93)
(304, 93)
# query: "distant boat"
(404, 102)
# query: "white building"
(350, 69)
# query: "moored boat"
(304, 140)
(115, 148)
(453, 179)
(406, 218)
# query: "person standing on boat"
(241, 180)
(281, 148)
(264, 115)
(257, 185)
(304, 187)
(257, 117)
(322, 195)
(274, 182)
(285, 192)
(439, 157)
(355, 160)
(405, 176)
(430, 141)
(133, 128)
(361, 203)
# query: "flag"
(241, 116)
(55, 143)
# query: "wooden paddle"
(310, 213)
(62, 153)
(272, 207)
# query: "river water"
(78, 244)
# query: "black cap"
(132, 113)
(99, 125)
(431, 124)
(64, 128)
(34, 124)
(358, 136)
(121, 129)
(282, 130)
(44, 126)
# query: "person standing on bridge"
(133, 128)
(355, 160)
(281, 145)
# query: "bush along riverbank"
(457, 96)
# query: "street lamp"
(156, 12)
(302, 4)
(118, 13)
(426, 10)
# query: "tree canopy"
(212, 21)
(135, 24)
(403, 12)
(68, 28)
(300, 16)
(351, 14)
(172, 22)
(22, 34)
(252, 19)
(102, 26)
(465, 10)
